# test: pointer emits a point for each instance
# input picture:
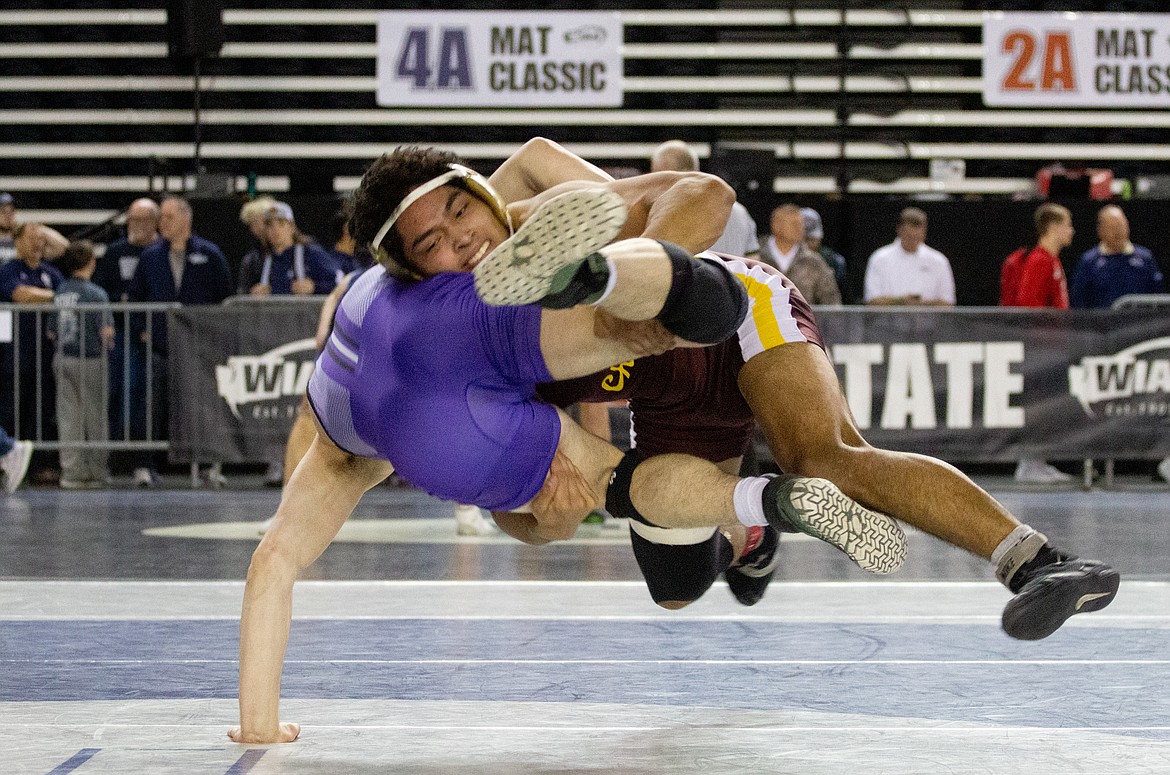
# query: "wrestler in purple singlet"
(427, 376)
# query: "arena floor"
(414, 651)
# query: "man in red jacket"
(1034, 277)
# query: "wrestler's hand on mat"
(644, 337)
(285, 733)
(563, 502)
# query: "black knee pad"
(681, 573)
(617, 495)
(706, 302)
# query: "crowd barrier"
(964, 384)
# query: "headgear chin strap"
(465, 176)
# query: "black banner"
(236, 376)
(961, 384)
(992, 384)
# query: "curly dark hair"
(384, 185)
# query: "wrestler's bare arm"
(329, 308)
(539, 165)
(317, 500)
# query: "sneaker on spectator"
(469, 521)
(15, 465)
(1035, 471)
(274, 475)
(1164, 469)
(75, 484)
(146, 477)
(213, 477)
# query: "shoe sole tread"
(871, 539)
(564, 230)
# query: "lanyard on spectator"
(298, 265)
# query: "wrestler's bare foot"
(285, 733)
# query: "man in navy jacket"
(182, 267)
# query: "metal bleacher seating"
(849, 97)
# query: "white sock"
(610, 284)
(749, 501)
(1020, 546)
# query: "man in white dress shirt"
(907, 271)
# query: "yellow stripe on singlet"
(763, 314)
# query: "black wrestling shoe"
(553, 256)
(1048, 594)
(748, 579)
(815, 507)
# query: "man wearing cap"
(295, 265)
(814, 236)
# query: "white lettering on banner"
(248, 379)
(1106, 60)
(5, 327)
(499, 59)
(909, 400)
(1128, 384)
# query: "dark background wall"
(975, 235)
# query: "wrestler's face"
(448, 230)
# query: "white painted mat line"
(591, 729)
(874, 584)
(680, 661)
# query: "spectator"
(83, 338)
(785, 250)
(907, 271)
(29, 279)
(350, 257)
(814, 235)
(1115, 267)
(14, 459)
(1034, 277)
(7, 227)
(296, 265)
(252, 216)
(54, 243)
(115, 270)
(180, 267)
(739, 238)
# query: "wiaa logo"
(1132, 383)
(277, 374)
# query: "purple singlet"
(427, 376)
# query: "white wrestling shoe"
(469, 521)
(548, 252)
